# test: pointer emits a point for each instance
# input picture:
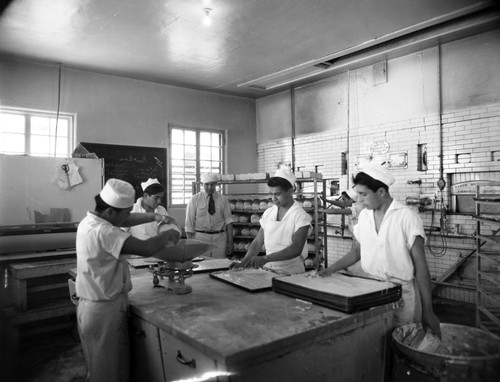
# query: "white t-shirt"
(386, 254)
(101, 273)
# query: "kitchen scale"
(176, 273)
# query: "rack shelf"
(488, 264)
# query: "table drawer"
(181, 361)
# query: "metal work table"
(257, 337)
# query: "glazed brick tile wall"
(471, 145)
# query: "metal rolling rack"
(319, 245)
(488, 263)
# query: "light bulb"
(206, 19)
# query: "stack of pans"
(339, 291)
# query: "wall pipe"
(347, 153)
(292, 106)
(441, 183)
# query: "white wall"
(117, 110)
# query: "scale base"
(180, 289)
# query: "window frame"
(30, 113)
(197, 131)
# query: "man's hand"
(324, 272)
(237, 266)
(258, 261)
(164, 219)
(430, 320)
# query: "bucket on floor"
(465, 354)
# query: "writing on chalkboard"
(134, 164)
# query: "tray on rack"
(340, 292)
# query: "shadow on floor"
(58, 358)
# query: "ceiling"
(166, 41)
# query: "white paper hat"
(148, 183)
(209, 177)
(352, 194)
(118, 193)
(379, 172)
(286, 173)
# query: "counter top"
(232, 325)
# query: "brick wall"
(474, 132)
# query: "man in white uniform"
(389, 240)
(208, 218)
(153, 194)
(284, 230)
(349, 205)
(103, 278)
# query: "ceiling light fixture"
(206, 19)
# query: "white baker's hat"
(352, 194)
(118, 193)
(379, 173)
(209, 177)
(148, 183)
(285, 172)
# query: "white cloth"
(351, 192)
(218, 240)
(379, 173)
(411, 311)
(279, 235)
(386, 254)
(148, 183)
(146, 230)
(102, 283)
(118, 193)
(103, 329)
(101, 273)
(209, 177)
(286, 173)
(356, 208)
(198, 218)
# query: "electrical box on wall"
(380, 73)
(422, 157)
(343, 163)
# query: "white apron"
(277, 236)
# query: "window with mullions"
(35, 133)
(192, 152)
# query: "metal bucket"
(465, 354)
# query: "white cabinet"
(147, 363)
(182, 361)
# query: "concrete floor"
(59, 358)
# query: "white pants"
(218, 240)
(103, 328)
(411, 311)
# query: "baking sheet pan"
(252, 280)
(338, 291)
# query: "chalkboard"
(134, 164)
